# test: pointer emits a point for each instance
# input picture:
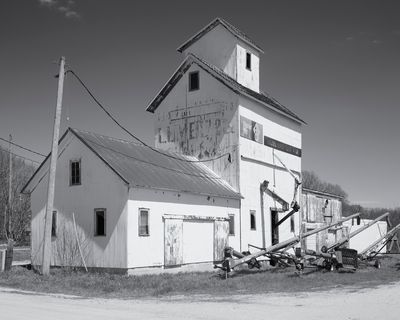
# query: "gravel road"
(350, 303)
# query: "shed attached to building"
(134, 206)
(319, 209)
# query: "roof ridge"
(273, 102)
(226, 80)
(234, 30)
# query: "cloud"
(349, 38)
(72, 14)
(62, 6)
(48, 2)
(376, 41)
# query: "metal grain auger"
(233, 258)
(338, 256)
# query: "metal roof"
(140, 166)
(220, 75)
(219, 21)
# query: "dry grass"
(243, 282)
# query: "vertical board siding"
(221, 230)
(198, 241)
(173, 254)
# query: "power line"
(19, 146)
(18, 156)
(131, 134)
(156, 165)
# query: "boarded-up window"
(54, 224)
(99, 222)
(75, 172)
(194, 81)
(231, 225)
(144, 222)
(252, 220)
(248, 60)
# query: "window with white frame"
(99, 222)
(248, 60)
(252, 219)
(231, 224)
(75, 172)
(144, 228)
(194, 81)
(54, 224)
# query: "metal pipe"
(292, 241)
(354, 233)
(387, 235)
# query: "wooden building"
(133, 207)
(318, 209)
(212, 108)
(245, 151)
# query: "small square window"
(75, 172)
(252, 220)
(99, 222)
(144, 222)
(231, 225)
(248, 60)
(54, 224)
(194, 81)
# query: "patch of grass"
(269, 280)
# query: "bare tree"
(14, 220)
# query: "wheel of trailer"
(300, 266)
(377, 264)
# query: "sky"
(336, 64)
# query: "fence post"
(2, 259)
(9, 255)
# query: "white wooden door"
(198, 238)
(173, 240)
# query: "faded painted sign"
(221, 230)
(278, 145)
(173, 233)
(251, 130)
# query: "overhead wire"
(17, 155)
(19, 146)
(155, 164)
(131, 134)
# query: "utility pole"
(9, 187)
(52, 174)
(6, 224)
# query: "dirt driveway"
(377, 303)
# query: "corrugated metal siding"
(142, 167)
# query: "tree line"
(312, 181)
(14, 219)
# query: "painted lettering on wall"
(251, 130)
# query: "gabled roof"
(231, 83)
(232, 29)
(140, 166)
